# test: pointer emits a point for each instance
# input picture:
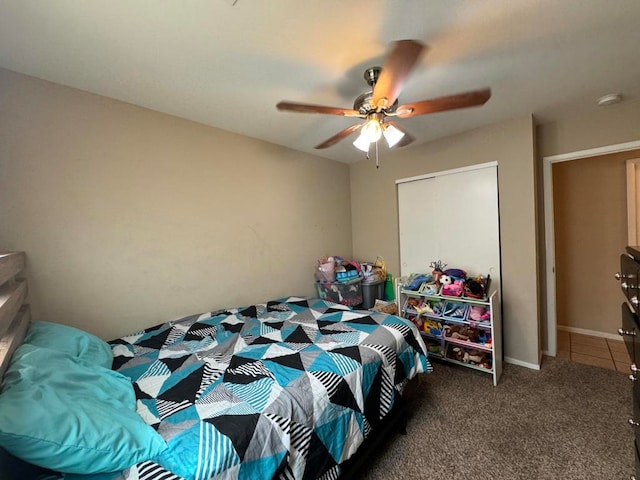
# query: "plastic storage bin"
(371, 292)
(349, 294)
(455, 311)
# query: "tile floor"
(597, 351)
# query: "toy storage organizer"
(461, 330)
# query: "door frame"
(550, 249)
(633, 166)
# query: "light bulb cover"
(392, 134)
(372, 130)
(362, 143)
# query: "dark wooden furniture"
(629, 276)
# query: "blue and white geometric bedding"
(285, 390)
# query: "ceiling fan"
(381, 103)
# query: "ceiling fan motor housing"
(363, 103)
(371, 75)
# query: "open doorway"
(590, 225)
(586, 230)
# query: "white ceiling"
(227, 64)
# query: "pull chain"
(377, 163)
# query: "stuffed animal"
(475, 287)
(430, 288)
(424, 308)
(416, 304)
(462, 332)
(456, 272)
(413, 302)
(456, 353)
(474, 357)
(437, 266)
(478, 313)
(445, 280)
(452, 289)
(417, 281)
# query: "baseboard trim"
(591, 333)
(520, 363)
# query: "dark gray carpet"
(566, 421)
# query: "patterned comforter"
(285, 390)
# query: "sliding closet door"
(450, 216)
(416, 218)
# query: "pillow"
(77, 343)
(64, 415)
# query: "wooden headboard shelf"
(12, 296)
(11, 264)
(14, 313)
(13, 337)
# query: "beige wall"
(590, 225)
(511, 144)
(597, 128)
(130, 217)
(601, 127)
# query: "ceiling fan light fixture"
(362, 143)
(372, 130)
(392, 135)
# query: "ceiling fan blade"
(308, 108)
(399, 63)
(441, 104)
(339, 136)
(406, 140)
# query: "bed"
(294, 388)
